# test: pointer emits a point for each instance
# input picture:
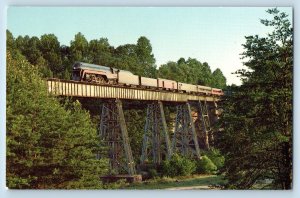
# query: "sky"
(210, 34)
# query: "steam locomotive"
(108, 75)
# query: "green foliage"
(178, 166)
(136, 121)
(257, 121)
(205, 165)
(100, 52)
(10, 41)
(192, 71)
(216, 157)
(56, 61)
(50, 50)
(153, 173)
(48, 145)
(218, 79)
(126, 58)
(145, 57)
(136, 58)
(79, 48)
(115, 185)
(50, 59)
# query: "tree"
(49, 145)
(218, 79)
(10, 41)
(192, 71)
(199, 73)
(67, 63)
(32, 51)
(169, 71)
(136, 122)
(206, 75)
(79, 48)
(257, 137)
(126, 58)
(22, 43)
(181, 61)
(100, 51)
(50, 49)
(145, 57)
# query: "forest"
(52, 142)
(56, 61)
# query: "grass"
(166, 182)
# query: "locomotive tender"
(108, 75)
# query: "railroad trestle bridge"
(194, 118)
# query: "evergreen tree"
(48, 145)
(257, 139)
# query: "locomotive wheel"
(100, 80)
(93, 79)
(112, 82)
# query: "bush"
(178, 166)
(150, 170)
(215, 156)
(153, 173)
(205, 165)
(116, 185)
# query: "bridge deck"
(81, 89)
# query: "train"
(108, 75)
